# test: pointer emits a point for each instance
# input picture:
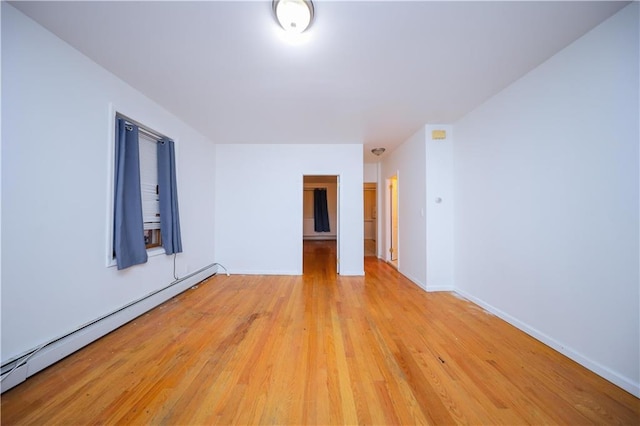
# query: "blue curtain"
(320, 210)
(128, 235)
(168, 195)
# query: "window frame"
(114, 114)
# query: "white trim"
(320, 237)
(338, 222)
(389, 218)
(413, 280)
(623, 382)
(437, 288)
(111, 153)
(263, 272)
(331, 236)
(152, 252)
(156, 251)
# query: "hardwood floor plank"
(317, 349)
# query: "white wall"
(258, 205)
(371, 172)
(56, 151)
(546, 215)
(439, 209)
(408, 162)
(425, 173)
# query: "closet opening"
(320, 224)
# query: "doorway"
(320, 223)
(370, 198)
(393, 223)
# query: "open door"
(393, 222)
(338, 225)
(370, 198)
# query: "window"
(145, 208)
(149, 189)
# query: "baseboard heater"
(18, 369)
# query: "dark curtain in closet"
(320, 210)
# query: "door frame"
(337, 176)
(373, 187)
(389, 217)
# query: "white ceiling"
(369, 72)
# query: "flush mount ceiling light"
(294, 16)
(378, 151)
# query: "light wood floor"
(369, 247)
(317, 349)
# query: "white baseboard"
(319, 237)
(64, 346)
(435, 288)
(623, 382)
(413, 280)
(18, 376)
(264, 272)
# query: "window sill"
(156, 251)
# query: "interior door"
(370, 218)
(338, 224)
(393, 188)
